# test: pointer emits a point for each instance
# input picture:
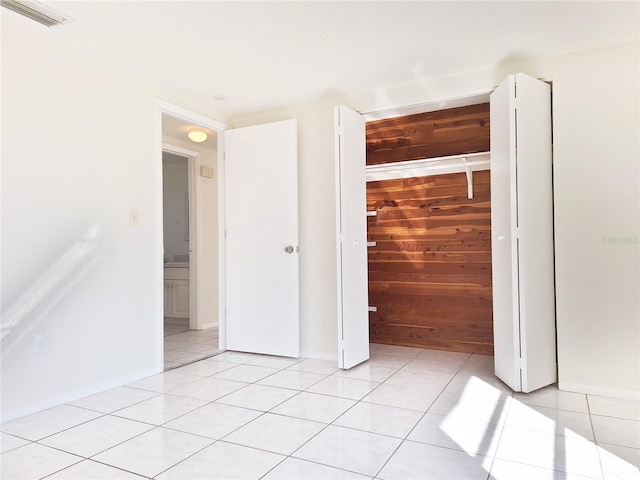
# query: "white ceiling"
(264, 55)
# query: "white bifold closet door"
(261, 247)
(351, 201)
(522, 234)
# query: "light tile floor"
(405, 414)
(183, 346)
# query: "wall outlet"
(43, 341)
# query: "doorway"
(190, 267)
(213, 295)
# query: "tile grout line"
(419, 420)
(501, 431)
(595, 440)
(332, 423)
(297, 393)
(263, 413)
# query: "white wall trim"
(600, 391)
(159, 243)
(222, 245)
(319, 355)
(190, 117)
(76, 395)
(194, 245)
(204, 326)
(168, 147)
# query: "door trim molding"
(190, 116)
(164, 107)
(185, 152)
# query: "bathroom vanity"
(176, 290)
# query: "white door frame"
(194, 118)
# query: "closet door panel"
(504, 242)
(353, 295)
(535, 226)
(522, 234)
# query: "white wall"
(175, 226)
(596, 124)
(597, 165)
(80, 149)
(78, 152)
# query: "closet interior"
(429, 230)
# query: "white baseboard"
(208, 325)
(600, 391)
(176, 321)
(320, 355)
(75, 395)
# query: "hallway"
(183, 346)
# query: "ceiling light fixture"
(36, 11)
(197, 136)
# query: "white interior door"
(522, 234)
(353, 288)
(261, 204)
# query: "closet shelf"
(429, 166)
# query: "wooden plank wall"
(430, 271)
(427, 135)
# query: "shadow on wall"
(25, 314)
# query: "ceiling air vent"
(36, 11)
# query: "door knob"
(288, 249)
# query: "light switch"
(206, 171)
(134, 218)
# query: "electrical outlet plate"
(43, 341)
